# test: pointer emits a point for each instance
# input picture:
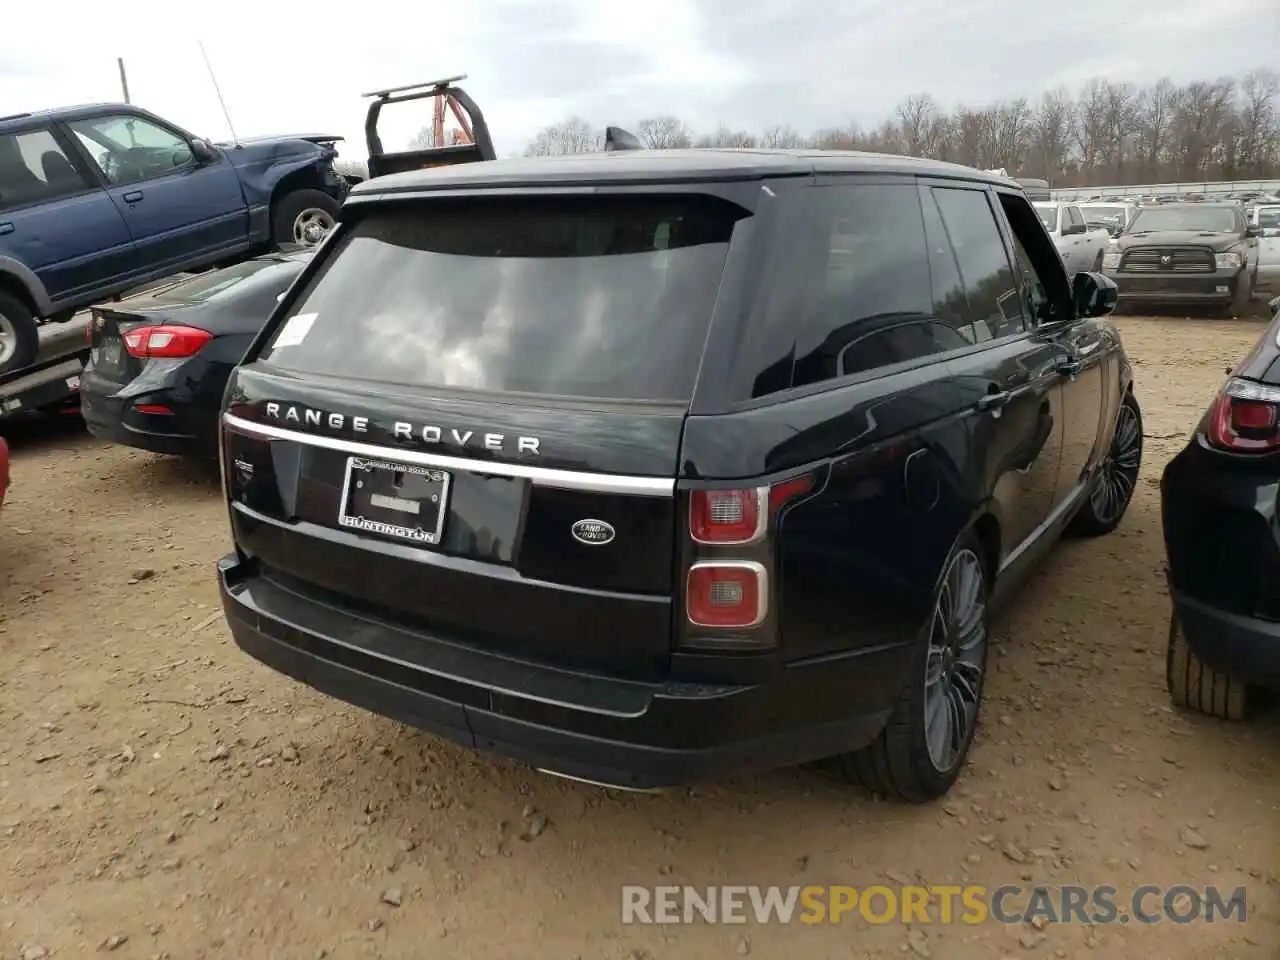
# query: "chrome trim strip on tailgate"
(540, 476)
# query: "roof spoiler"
(473, 142)
(615, 138)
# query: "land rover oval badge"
(594, 533)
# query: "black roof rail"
(615, 138)
(15, 116)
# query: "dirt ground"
(163, 795)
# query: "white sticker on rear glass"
(294, 330)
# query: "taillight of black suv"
(659, 466)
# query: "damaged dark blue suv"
(100, 199)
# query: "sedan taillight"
(167, 340)
(1245, 418)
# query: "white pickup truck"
(1080, 245)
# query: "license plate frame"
(374, 485)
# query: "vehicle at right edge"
(1219, 511)
(648, 467)
(1186, 253)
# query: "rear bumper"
(1219, 516)
(1245, 648)
(109, 413)
(608, 731)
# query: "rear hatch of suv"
(468, 420)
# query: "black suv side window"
(35, 169)
(978, 293)
(868, 285)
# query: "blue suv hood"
(253, 150)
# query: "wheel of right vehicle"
(19, 337)
(1195, 686)
(1116, 478)
(922, 749)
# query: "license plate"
(397, 500)
(110, 354)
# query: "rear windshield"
(602, 297)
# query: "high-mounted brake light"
(165, 341)
(1245, 418)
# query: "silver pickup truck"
(1080, 245)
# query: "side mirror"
(202, 151)
(1093, 294)
(1250, 232)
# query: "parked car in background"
(1081, 246)
(1114, 215)
(542, 455)
(1267, 224)
(1218, 502)
(96, 200)
(159, 361)
(1190, 253)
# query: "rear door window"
(600, 297)
(872, 276)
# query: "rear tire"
(298, 214)
(1116, 478)
(19, 334)
(1195, 686)
(909, 760)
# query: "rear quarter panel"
(859, 557)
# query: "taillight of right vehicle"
(730, 599)
(1245, 418)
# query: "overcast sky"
(298, 67)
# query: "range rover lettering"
(655, 466)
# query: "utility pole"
(124, 80)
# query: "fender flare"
(30, 283)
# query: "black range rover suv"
(648, 467)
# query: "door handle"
(993, 402)
(5, 228)
(133, 196)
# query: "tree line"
(1105, 134)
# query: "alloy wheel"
(1118, 474)
(8, 339)
(311, 226)
(956, 660)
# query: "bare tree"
(783, 138)
(574, 135)
(917, 120)
(1259, 130)
(664, 133)
(1155, 111)
(424, 139)
(723, 136)
(1111, 133)
(1051, 134)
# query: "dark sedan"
(1219, 505)
(160, 360)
